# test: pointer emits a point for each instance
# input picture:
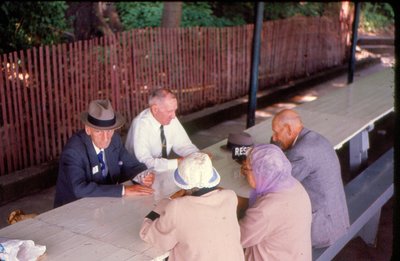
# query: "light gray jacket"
(316, 165)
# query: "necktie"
(102, 164)
(163, 143)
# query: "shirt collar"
(97, 149)
(153, 120)
(294, 142)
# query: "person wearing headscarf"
(277, 223)
(199, 222)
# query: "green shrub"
(139, 14)
(274, 10)
(27, 24)
(201, 14)
(375, 16)
(148, 14)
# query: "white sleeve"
(182, 145)
(162, 232)
(129, 139)
(145, 142)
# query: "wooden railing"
(44, 89)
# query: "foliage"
(375, 16)
(139, 14)
(217, 13)
(276, 10)
(201, 14)
(242, 11)
(148, 14)
(27, 24)
(222, 13)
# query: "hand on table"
(209, 154)
(148, 180)
(182, 193)
(138, 190)
(179, 160)
(178, 194)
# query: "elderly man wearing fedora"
(200, 222)
(94, 161)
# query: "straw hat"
(196, 171)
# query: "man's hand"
(178, 194)
(243, 204)
(148, 180)
(209, 154)
(138, 190)
(179, 160)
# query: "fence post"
(350, 75)
(254, 66)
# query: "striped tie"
(163, 143)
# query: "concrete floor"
(355, 250)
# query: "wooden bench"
(365, 195)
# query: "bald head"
(288, 116)
(286, 126)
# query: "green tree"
(202, 14)
(276, 10)
(375, 16)
(27, 24)
(93, 19)
(149, 14)
(139, 14)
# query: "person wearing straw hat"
(277, 223)
(199, 222)
(94, 161)
(156, 132)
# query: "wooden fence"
(43, 90)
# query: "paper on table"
(24, 250)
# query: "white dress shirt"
(144, 140)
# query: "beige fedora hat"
(101, 115)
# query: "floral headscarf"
(271, 169)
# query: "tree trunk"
(172, 13)
(109, 22)
(93, 19)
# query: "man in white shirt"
(155, 127)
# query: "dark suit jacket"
(79, 172)
(316, 165)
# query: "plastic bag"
(20, 250)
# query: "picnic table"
(108, 228)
